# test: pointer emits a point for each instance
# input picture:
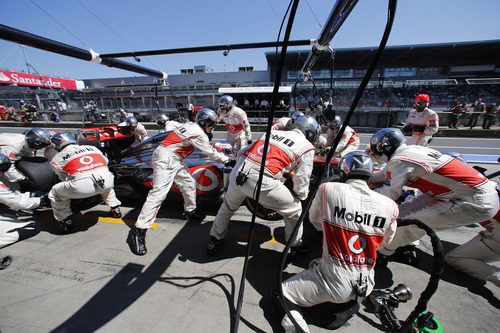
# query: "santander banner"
(25, 79)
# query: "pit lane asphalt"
(89, 281)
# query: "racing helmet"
(309, 126)
(421, 102)
(4, 163)
(37, 138)
(206, 118)
(385, 141)
(296, 115)
(162, 119)
(131, 121)
(225, 102)
(356, 163)
(456, 155)
(335, 123)
(61, 140)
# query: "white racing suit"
(238, 127)
(170, 126)
(282, 124)
(453, 193)
(140, 133)
(476, 257)
(355, 221)
(289, 151)
(424, 125)
(349, 141)
(169, 166)
(14, 147)
(11, 228)
(83, 171)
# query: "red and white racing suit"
(477, 255)
(170, 126)
(283, 124)
(349, 141)
(238, 127)
(425, 124)
(355, 221)
(14, 147)
(83, 171)
(289, 151)
(140, 133)
(453, 193)
(11, 228)
(169, 166)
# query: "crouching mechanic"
(355, 221)
(137, 129)
(169, 166)
(83, 171)
(11, 228)
(422, 123)
(453, 193)
(349, 141)
(286, 123)
(289, 151)
(16, 146)
(238, 128)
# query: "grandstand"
(444, 71)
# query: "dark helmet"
(4, 163)
(456, 155)
(132, 122)
(309, 126)
(61, 140)
(386, 141)
(37, 138)
(296, 115)
(206, 118)
(356, 163)
(225, 102)
(162, 119)
(335, 123)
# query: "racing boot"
(405, 254)
(213, 245)
(194, 215)
(65, 226)
(116, 212)
(136, 241)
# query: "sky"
(110, 26)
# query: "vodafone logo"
(260, 150)
(353, 246)
(232, 128)
(207, 179)
(86, 160)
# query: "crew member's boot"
(65, 226)
(213, 245)
(136, 240)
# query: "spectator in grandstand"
(246, 104)
(264, 104)
(489, 116)
(238, 128)
(256, 104)
(478, 107)
(283, 105)
(457, 110)
(422, 123)
(122, 114)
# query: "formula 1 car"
(131, 165)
